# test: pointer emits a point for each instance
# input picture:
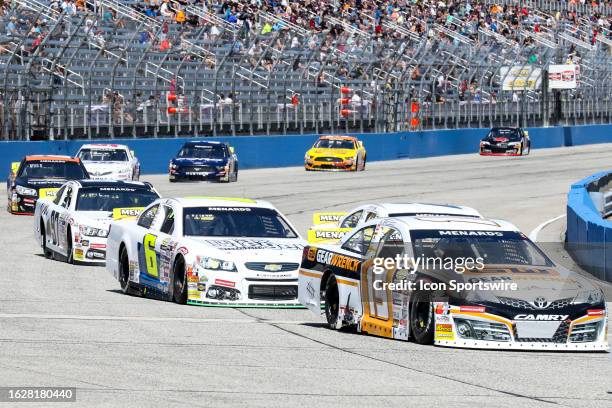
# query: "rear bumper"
(197, 177)
(22, 205)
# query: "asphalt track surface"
(63, 325)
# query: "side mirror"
(232, 150)
(15, 167)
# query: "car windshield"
(236, 222)
(108, 198)
(494, 247)
(513, 135)
(202, 152)
(103, 155)
(53, 169)
(335, 144)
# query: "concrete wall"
(281, 151)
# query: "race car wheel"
(357, 164)
(179, 281)
(43, 241)
(363, 165)
(332, 302)
(69, 254)
(421, 318)
(124, 271)
(234, 176)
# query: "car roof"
(338, 137)
(113, 183)
(52, 158)
(455, 223)
(206, 201)
(203, 142)
(104, 146)
(409, 209)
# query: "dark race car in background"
(506, 141)
(39, 177)
(204, 160)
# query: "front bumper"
(492, 150)
(22, 205)
(197, 176)
(329, 166)
(232, 289)
(89, 249)
(566, 337)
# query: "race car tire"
(124, 271)
(332, 302)
(179, 281)
(43, 241)
(421, 318)
(364, 164)
(69, 254)
(357, 164)
(234, 176)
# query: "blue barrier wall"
(589, 237)
(282, 151)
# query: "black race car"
(506, 141)
(204, 160)
(39, 177)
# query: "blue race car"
(205, 160)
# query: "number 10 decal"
(150, 254)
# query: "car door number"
(148, 244)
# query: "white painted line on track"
(146, 318)
(533, 235)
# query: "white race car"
(330, 227)
(455, 282)
(74, 225)
(109, 162)
(208, 251)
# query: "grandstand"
(153, 68)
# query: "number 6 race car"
(208, 251)
(455, 282)
(330, 227)
(74, 226)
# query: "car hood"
(330, 152)
(532, 283)
(93, 218)
(252, 249)
(198, 162)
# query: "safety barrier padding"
(288, 150)
(589, 236)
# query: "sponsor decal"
(472, 233)
(97, 246)
(541, 317)
(183, 250)
(273, 267)
(327, 218)
(191, 276)
(47, 192)
(472, 309)
(312, 254)
(203, 278)
(444, 327)
(222, 282)
(246, 244)
(595, 312)
(126, 213)
(78, 254)
(340, 261)
(83, 242)
(310, 289)
(201, 287)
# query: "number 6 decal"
(150, 255)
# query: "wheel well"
(42, 225)
(121, 247)
(178, 258)
(324, 280)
